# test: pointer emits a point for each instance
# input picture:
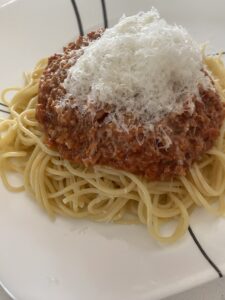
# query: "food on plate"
(125, 125)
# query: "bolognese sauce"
(90, 133)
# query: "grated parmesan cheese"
(142, 66)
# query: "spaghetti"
(100, 193)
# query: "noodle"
(100, 193)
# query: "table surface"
(214, 290)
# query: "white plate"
(70, 259)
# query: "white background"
(214, 290)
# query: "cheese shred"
(142, 66)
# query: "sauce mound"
(135, 97)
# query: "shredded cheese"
(141, 66)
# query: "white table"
(214, 290)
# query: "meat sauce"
(97, 140)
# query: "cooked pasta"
(101, 193)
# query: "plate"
(42, 259)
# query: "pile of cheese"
(142, 66)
